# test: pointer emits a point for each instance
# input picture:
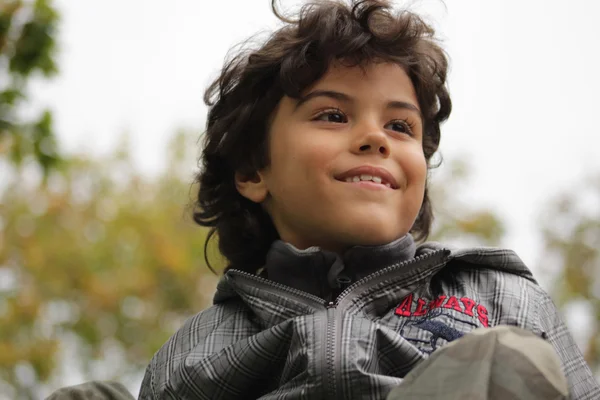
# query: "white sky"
(523, 80)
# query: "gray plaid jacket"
(265, 340)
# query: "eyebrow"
(343, 97)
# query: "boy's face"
(354, 122)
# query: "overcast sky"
(523, 81)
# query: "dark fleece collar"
(325, 274)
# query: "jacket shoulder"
(498, 279)
(490, 258)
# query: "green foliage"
(34, 47)
(456, 219)
(27, 47)
(102, 254)
(571, 232)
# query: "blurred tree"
(457, 221)
(571, 234)
(27, 49)
(101, 260)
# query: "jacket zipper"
(334, 364)
(268, 284)
(332, 359)
(331, 351)
(374, 276)
(377, 276)
(328, 334)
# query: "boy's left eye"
(400, 126)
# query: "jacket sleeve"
(200, 336)
(582, 384)
(146, 390)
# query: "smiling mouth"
(367, 176)
(367, 181)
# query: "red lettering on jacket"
(482, 315)
(469, 304)
(453, 303)
(437, 303)
(421, 310)
(404, 308)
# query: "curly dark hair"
(252, 83)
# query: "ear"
(253, 187)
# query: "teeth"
(366, 177)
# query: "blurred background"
(100, 115)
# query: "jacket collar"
(235, 284)
(325, 274)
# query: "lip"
(369, 170)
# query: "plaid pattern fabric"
(264, 340)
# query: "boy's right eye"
(336, 116)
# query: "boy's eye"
(335, 116)
(400, 126)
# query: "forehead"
(378, 80)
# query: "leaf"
(34, 49)
(7, 11)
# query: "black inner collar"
(325, 274)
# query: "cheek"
(304, 156)
(415, 167)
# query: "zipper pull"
(343, 281)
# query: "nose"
(371, 140)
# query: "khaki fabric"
(500, 363)
(95, 390)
